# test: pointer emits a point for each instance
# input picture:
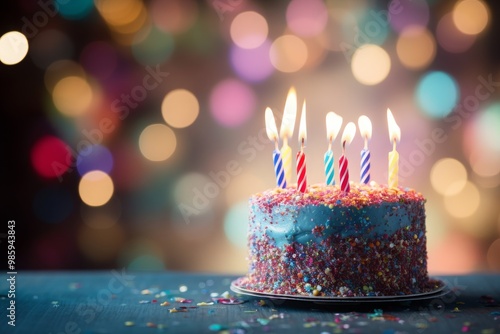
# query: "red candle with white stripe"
(301, 157)
(347, 136)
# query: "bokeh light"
(448, 176)
(288, 53)
(125, 17)
(157, 142)
(450, 38)
(370, 64)
(101, 245)
(485, 164)
(470, 16)
(236, 224)
(487, 129)
(72, 96)
(74, 10)
(437, 94)
(59, 70)
(249, 30)
(174, 16)
(95, 157)
(152, 47)
(464, 203)
(493, 255)
(13, 47)
(416, 47)
(96, 188)
(51, 45)
(306, 17)
(252, 65)
(242, 186)
(51, 157)
(180, 108)
(232, 102)
(407, 13)
(53, 205)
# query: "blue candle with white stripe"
(365, 128)
(272, 133)
(333, 125)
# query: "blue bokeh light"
(98, 157)
(437, 94)
(236, 224)
(74, 10)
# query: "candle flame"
(272, 131)
(289, 115)
(302, 126)
(348, 134)
(333, 124)
(394, 130)
(365, 127)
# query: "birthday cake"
(370, 241)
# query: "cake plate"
(440, 291)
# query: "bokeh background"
(133, 131)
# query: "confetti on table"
(456, 310)
(151, 325)
(129, 323)
(183, 300)
(143, 301)
(165, 303)
(205, 303)
(146, 292)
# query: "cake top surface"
(360, 195)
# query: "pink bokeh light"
(252, 65)
(232, 102)
(307, 17)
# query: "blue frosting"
(288, 223)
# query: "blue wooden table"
(116, 301)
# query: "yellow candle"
(394, 136)
(393, 167)
(286, 131)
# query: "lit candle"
(286, 131)
(272, 133)
(347, 136)
(333, 124)
(365, 128)
(394, 136)
(301, 157)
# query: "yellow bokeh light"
(96, 188)
(448, 176)
(485, 164)
(471, 16)
(464, 203)
(61, 69)
(416, 47)
(13, 47)
(249, 30)
(370, 64)
(72, 96)
(157, 142)
(180, 108)
(118, 13)
(101, 245)
(288, 53)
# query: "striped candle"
(272, 134)
(347, 136)
(333, 124)
(365, 129)
(329, 170)
(286, 155)
(278, 169)
(365, 166)
(344, 174)
(301, 172)
(301, 157)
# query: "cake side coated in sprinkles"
(325, 242)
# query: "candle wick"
(276, 144)
(366, 143)
(343, 147)
(394, 144)
(302, 144)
